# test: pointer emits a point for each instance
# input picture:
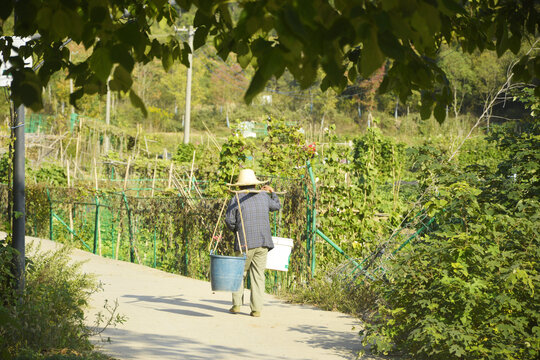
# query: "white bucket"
(278, 257)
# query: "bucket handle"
(215, 229)
(242, 221)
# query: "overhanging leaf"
(199, 39)
(372, 58)
(121, 79)
(100, 63)
(440, 112)
(426, 105)
(6, 9)
(137, 102)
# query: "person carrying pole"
(251, 224)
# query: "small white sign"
(5, 79)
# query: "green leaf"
(137, 102)
(426, 105)
(120, 55)
(44, 17)
(166, 58)
(502, 39)
(129, 34)
(61, 23)
(352, 74)
(6, 9)
(184, 59)
(372, 58)
(100, 63)
(26, 89)
(514, 44)
(440, 112)
(389, 45)
(74, 96)
(121, 80)
(271, 64)
(453, 6)
(199, 39)
(257, 84)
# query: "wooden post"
(170, 175)
(154, 177)
(127, 174)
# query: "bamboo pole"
(255, 191)
(95, 174)
(68, 175)
(242, 221)
(191, 173)
(98, 222)
(118, 238)
(61, 152)
(135, 142)
(70, 209)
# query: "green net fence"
(166, 231)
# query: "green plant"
(53, 174)
(184, 153)
(284, 151)
(5, 164)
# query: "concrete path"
(175, 317)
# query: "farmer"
(255, 226)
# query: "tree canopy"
(345, 38)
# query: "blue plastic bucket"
(226, 272)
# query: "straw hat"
(246, 178)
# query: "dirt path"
(175, 317)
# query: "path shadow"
(127, 344)
(175, 301)
(220, 302)
(346, 343)
(185, 312)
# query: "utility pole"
(19, 201)
(187, 119)
(18, 213)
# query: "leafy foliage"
(343, 39)
(469, 288)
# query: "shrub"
(50, 312)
